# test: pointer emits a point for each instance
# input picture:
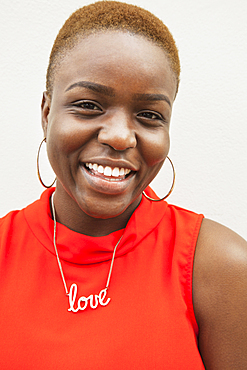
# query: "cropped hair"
(111, 15)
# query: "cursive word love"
(94, 300)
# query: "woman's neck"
(72, 216)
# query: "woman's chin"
(107, 209)
(101, 212)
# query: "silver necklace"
(93, 300)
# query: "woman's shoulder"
(219, 250)
(220, 296)
(9, 217)
(218, 244)
(16, 221)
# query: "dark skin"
(220, 297)
(113, 112)
(111, 105)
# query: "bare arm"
(220, 297)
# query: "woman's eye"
(87, 105)
(150, 115)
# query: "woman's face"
(107, 124)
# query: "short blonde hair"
(111, 15)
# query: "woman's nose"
(118, 133)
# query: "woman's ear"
(45, 110)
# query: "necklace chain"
(73, 288)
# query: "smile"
(109, 173)
(106, 179)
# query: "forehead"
(115, 55)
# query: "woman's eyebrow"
(152, 97)
(102, 89)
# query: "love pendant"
(93, 299)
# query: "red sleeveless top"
(149, 322)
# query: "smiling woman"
(101, 275)
(114, 124)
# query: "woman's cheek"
(156, 150)
(66, 136)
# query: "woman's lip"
(107, 185)
(111, 162)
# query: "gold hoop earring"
(171, 189)
(38, 171)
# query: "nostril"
(118, 140)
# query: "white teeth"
(121, 172)
(115, 172)
(108, 171)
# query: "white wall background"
(209, 128)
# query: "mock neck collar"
(83, 249)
